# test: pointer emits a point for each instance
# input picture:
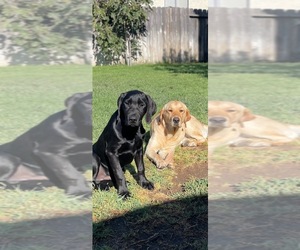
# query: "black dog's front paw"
(124, 194)
(147, 185)
(84, 192)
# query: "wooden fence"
(252, 35)
(175, 35)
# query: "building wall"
(256, 4)
(193, 4)
(275, 4)
(199, 4)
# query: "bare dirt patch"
(236, 165)
(187, 167)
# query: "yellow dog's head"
(175, 113)
(223, 114)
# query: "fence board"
(238, 35)
(175, 35)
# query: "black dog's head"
(79, 109)
(133, 106)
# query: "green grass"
(159, 81)
(261, 186)
(20, 205)
(266, 89)
(146, 217)
(30, 94)
(194, 186)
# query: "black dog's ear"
(119, 103)
(71, 101)
(151, 108)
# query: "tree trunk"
(128, 50)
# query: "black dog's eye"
(142, 105)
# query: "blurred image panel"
(46, 126)
(254, 124)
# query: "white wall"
(275, 4)
(193, 4)
(256, 4)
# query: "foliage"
(45, 31)
(117, 27)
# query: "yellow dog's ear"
(247, 116)
(151, 109)
(161, 114)
(187, 116)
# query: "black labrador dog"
(58, 148)
(122, 141)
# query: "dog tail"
(295, 128)
(204, 131)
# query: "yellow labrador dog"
(233, 124)
(173, 126)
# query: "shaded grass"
(251, 222)
(191, 68)
(179, 224)
(275, 69)
(46, 234)
(146, 219)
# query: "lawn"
(175, 213)
(41, 219)
(254, 192)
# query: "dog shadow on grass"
(65, 232)
(179, 224)
(270, 222)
